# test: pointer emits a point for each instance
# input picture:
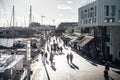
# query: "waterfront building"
(101, 19)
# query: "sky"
(54, 11)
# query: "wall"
(115, 39)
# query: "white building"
(100, 13)
(101, 19)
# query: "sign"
(108, 43)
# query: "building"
(68, 27)
(101, 19)
(11, 66)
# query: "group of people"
(69, 58)
(54, 47)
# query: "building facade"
(101, 19)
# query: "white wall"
(101, 13)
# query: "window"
(91, 14)
(106, 20)
(119, 15)
(88, 13)
(85, 16)
(119, 54)
(89, 20)
(85, 10)
(113, 10)
(95, 20)
(91, 8)
(106, 10)
(81, 14)
(111, 20)
(95, 10)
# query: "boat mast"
(30, 15)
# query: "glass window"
(111, 20)
(119, 54)
(95, 20)
(95, 10)
(113, 10)
(85, 10)
(88, 13)
(91, 8)
(119, 15)
(106, 10)
(81, 14)
(106, 20)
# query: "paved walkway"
(81, 69)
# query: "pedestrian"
(61, 49)
(71, 57)
(51, 59)
(67, 56)
(42, 54)
(46, 56)
(107, 66)
(106, 74)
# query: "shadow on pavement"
(95, 61)
(108, 78)
(53, 67)
(118, 72)
(73, 66)
(94, 64)
(47, 62)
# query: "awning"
(85, 40)
(74, 40)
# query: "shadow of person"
(47, 62)
(118, 72)
(108, 78)
(75, 66)
(93, 64)
(53, 67)
(71, 66)
(111, 78)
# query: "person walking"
(61, 49)
(51, 59)
(67, 56)
(46, 56)
(71, 57)
(106, 74)
(42, 54)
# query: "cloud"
(64, 7)
(69, 2)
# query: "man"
(71, 57)
(67, 56)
